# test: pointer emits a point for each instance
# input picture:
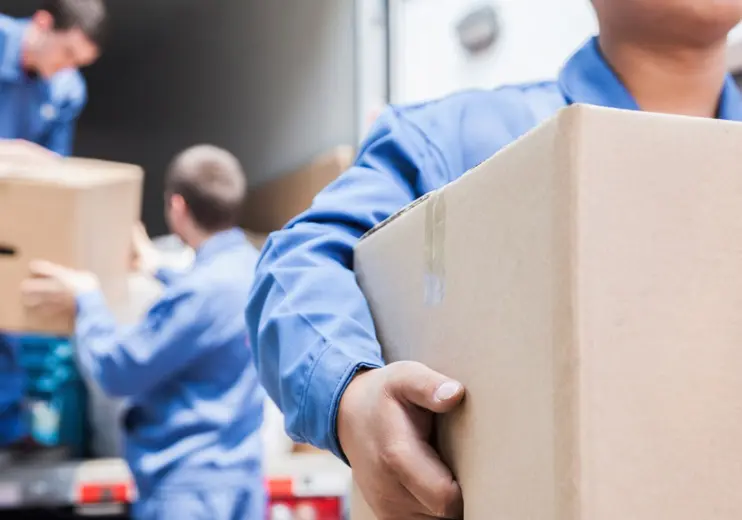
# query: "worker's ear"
(178, 206)
(43, 20)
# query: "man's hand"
(145, 257)
(385, 423)
(53, 289)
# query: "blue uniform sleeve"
(130, 362)
(310, 325)
(61, 135)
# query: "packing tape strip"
(435, 242)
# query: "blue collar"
(588, 78)
(11, 34)
(220, 242)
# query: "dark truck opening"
(273, 82)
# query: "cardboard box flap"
(563, 116)
(397, 215)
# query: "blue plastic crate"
(48, 381)
(59, 417)
(39, 353)
(56, 396)
(38, 357)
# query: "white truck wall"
(428, 60)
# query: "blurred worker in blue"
(310, 325)
(41, 90)
(41, 96)
(194, 404)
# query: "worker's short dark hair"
(212, 183)
(89, 16)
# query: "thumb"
(419, 385)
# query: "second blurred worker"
(42, 92)
(194, 404)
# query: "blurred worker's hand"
(53, 289)
(385, 423)
(145, 257)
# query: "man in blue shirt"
(310, 325)
(41, 96)
(194, 404)
(41, 90)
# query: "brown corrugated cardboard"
(585, 284)
(271, 205)
(75, 212)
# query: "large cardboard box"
(585, 284)
(75, 212)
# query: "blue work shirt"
(310, 325)
(32, 108)
(14, 422)
(194, 406)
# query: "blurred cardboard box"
(75, 212)
(271, 205)
(585, 284)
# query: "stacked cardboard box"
(75, 212)
(271, 205)
(585, 284)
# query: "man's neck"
(198, 238)
(673, 80)
(27, 53)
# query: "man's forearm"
(95, 334)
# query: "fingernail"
(447, 390)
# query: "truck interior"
(273, 82)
